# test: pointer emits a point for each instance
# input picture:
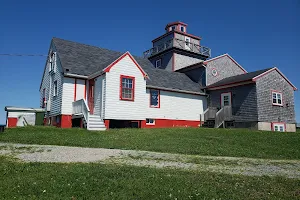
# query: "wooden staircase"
(90, 122)
(214, 118)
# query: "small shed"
(17, 116)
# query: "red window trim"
(133, 87)
(151, 106)
(278, 123)
(277, 92)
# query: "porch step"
(96, 123)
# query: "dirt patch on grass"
(226, 165)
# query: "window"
(154, 99)
(44, 98)
(182, 29)
(187, 43)
(173, 28)
(158, 63)
(150, 121)
(279, 127)
(277, 99)
(214, 72)
(51, 61)
(127, 88)
(55, 88)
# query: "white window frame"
(156, 63)
(280, 127)
(187, 42)
(223, 95)
(171, 28)
(277, 99)
(55, 88)
(148, 121)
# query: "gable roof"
(238, 78)
(227, 55)
(251, 76)
(85, 60)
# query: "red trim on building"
(66, 121)
(218, 57)
(158, 106)
(84, 89)
(164, 123)
(12, 122)
(229, 84)
(175, 23)
(107, 69)
(133, 87)
(91, 95)
(106, 122)
(176, 31)
(278, 123)
(275, 68)
(75, 89)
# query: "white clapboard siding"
(178, 106)
(119, 109)
(98, 95)
(80, 89)
(48, 82)
(68, 95)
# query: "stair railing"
(222, 115)
(209, 113)
(80, 107)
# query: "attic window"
(173, 28)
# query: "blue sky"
(258, 34)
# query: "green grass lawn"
(97, 181)
(200, 141)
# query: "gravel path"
(227, 165)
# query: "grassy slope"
(216, 142)
(96, 181)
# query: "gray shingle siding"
(166, 60)
(225, 67)
(244, 102)
(198, 75)
(268, 112)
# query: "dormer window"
(173, 28)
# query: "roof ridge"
(89, 45)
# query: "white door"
(226, 99)
(187, 43)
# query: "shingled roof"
(82, 59)
(238, 78)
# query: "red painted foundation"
(66, 121)
(106, 122)
(165, 123)
(12, 122)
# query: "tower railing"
(181, 44)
